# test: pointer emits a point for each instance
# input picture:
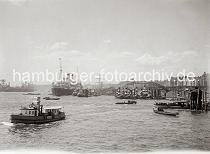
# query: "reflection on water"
(97, 124)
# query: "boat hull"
(36, 119)
(129, 102)
(16, 90)
(125, 103)
(57, 91)
(165, 113)
(48, 98)
(172, 107)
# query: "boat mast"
(60, 73)
(78, 76)
(99, 81)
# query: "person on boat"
(32, 105)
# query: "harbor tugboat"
(35, 113)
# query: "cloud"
(207, 45)
(2, 60)
(148, 59)
(176, 57)
(62, 50)
(107, 41)
(189, 53)
(75, 52)
(18, 2)
(126, 53)
(59, 46)
(56, 49)
(58, 54)
(170, 57)
(181, 54)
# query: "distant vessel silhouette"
(25, 87)
(65, 86)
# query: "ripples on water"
(97, 124)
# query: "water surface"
(97, 124)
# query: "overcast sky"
(123, 35)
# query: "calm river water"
(97, 124)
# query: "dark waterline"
(97, 124)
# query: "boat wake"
(7, 123)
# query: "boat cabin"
(53, 110)
(36, 109)
(29, 111)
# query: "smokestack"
(38, 105)
(68, 77)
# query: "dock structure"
(196, 92)
(183, 91)
(156, 90)
(197, 95)
(175, 88)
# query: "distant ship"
(25, 87)
(65, 87)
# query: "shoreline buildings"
(176, 87)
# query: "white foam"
(7, 123)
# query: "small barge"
(161, 111)
(173, 105)
(128, 102)
(32, 94)
(37, 114)
(51, 98)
